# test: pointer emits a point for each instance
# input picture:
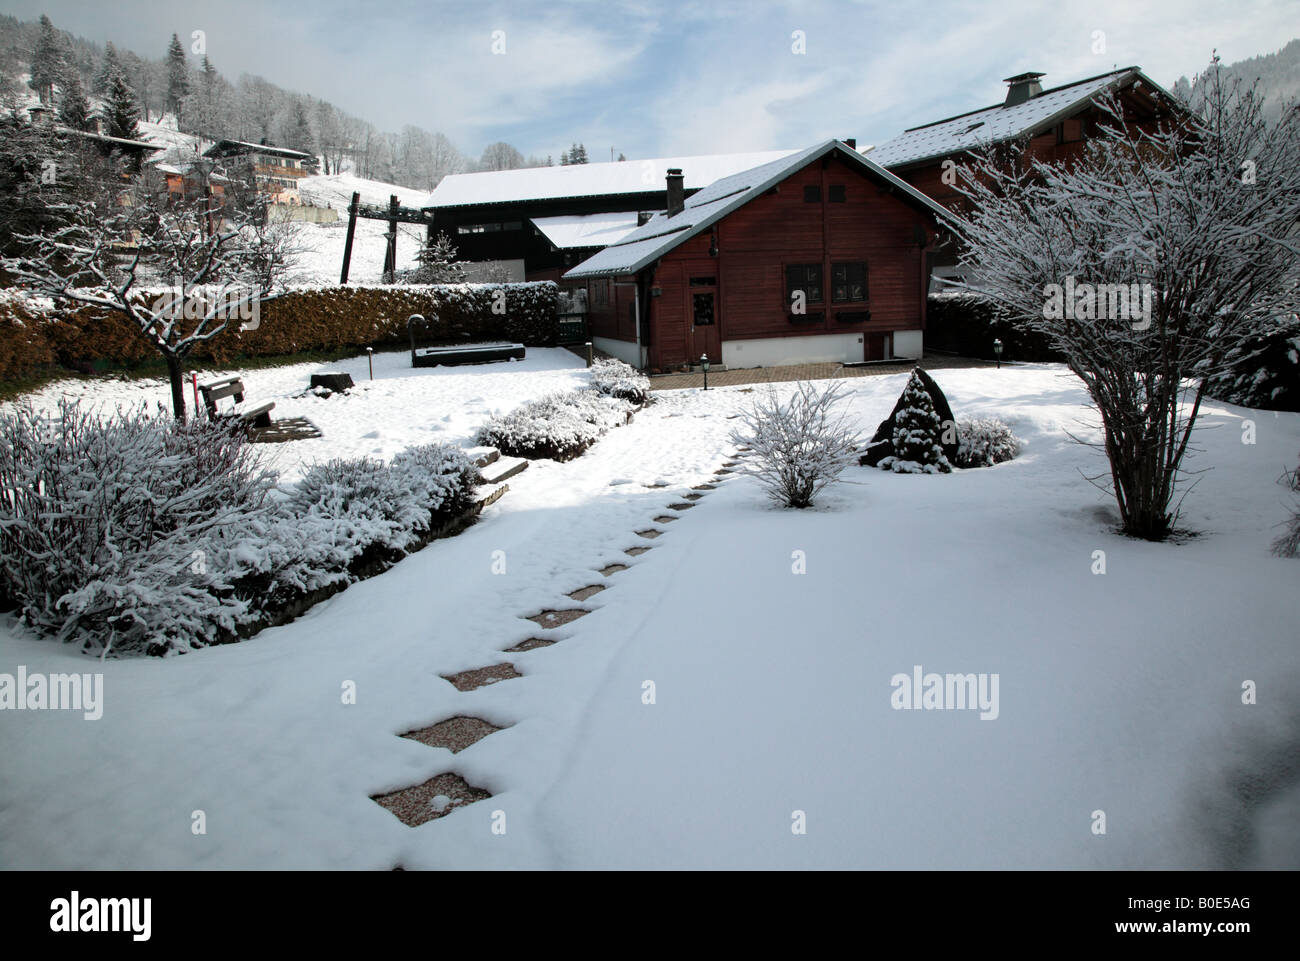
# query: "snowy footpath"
(730, 700)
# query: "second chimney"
(1023, 86)
(676, 191)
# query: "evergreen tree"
(438, 263)
(917, 433)
(121, 113)
(74, 110)
(298, 134)
(564, 158)
(178, 77)
(578, 154)
(48, 64)
(111, 65)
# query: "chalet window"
(806, 278)
(600, 293)
(836, 194)
(812, 195)
(848, 282)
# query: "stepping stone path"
(435, 798)
(455, 733)
(482, 676)
(530, 644)
(557, 618)
(443, 793)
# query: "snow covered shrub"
(800, 446)
(559, 426)
(364, 506)
(918, 432)
(1288, 544)
(617, 379)
(985, 441)
(440, 477)
(108, 525)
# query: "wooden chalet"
(1052, 125)
(276, 170)
(725, 272)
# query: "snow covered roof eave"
(675, 237)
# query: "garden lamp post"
(370, 359)
(997, 351)
(704, 365)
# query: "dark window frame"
(803, 283)
(848, 282)
(812, 193)
(838, 194)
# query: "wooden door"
(702, 318)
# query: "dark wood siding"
(757, 242)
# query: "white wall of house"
(909, 344)
(779, 351)
(624, 350)
(476, 270)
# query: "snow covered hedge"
(34, 334)
(985, 441)
(617, 379)
(1265, 371)
(558, 426)
(135, 534)
(966, 325)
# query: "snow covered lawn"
(772, 690)
(401, 407)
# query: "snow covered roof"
(106, 139)
(661, 234)
(590, 180)
(998, 123)
(242, 146)
(575, 231)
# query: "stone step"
(482, 456)
(503, 468)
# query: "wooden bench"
(233, 387)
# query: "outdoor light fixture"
(997, 351)
(370, 358)
(704, 365)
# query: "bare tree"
(1144, 263)
(215, 261)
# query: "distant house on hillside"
(540, 221)
(816, 256)
(276, 170)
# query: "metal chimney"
(1022, 87)
(676, 191)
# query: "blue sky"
(661, 78)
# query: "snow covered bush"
(363, 503)
(109, 525)
(918, 433)
(985, 441)
(440, 477)
(1288, 543)
(800, 446)
(617, 379)
(558, 426)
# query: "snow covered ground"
(1118, 692)
(401, 407)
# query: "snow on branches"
(1145, 263)
(801, 446)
